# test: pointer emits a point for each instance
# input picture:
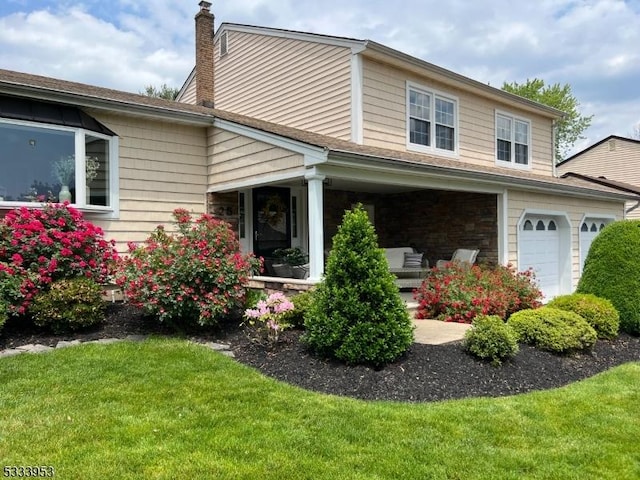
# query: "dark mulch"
(424, 373)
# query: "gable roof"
(78, 94)
(396, 58)
(597, 144)
(622, 186)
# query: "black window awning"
(43, 112)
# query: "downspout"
(554, 128)
(629, 210)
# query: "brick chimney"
(204, 56)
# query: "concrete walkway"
(433, 332)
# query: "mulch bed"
(424, 373)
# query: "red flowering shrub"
(196, 274)
(39, 246)
(459, 293)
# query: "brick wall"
(432, 221)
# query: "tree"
(356, 314)
(166, 92)
(568, 129)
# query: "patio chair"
(460, 255)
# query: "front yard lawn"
(172, 409)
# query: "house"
(279, 132)
(613, 161)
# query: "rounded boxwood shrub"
(70, 304)
(611, 271)
(598, 312)
(490, 338)
(357, 315)
(553, 329)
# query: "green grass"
(170, 409)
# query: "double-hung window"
(513, 141)
(432, 121)
(56, 153)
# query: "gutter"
(484, 177)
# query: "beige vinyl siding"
(291, 82)
(575, 209)
(384, 118)
(162, 167)
(236, 157)
(615, 159)
(190, 92)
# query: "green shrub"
(612, 271)
(491, 339)
(459, 292)
(598, 312)
(553, 329)
(357, 315)
(301, 302)
(4, 312)
(69, 304)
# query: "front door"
(271, 220)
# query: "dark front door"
(271, 220)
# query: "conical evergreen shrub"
(357, 315)
(612, 271)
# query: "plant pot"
(300, 271)
(282, 270)
(65, 194)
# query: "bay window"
(42, 162)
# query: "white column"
(316, 225)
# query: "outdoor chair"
(460, 255)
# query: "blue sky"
(127, 44)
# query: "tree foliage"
(166, 92)
(569, 128)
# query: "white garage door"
(539, 244)
(589, 230)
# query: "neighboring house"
(305, 126)
(613, 161)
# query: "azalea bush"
(197, 274)
(269, 316)
(40, 246)
(459, 292)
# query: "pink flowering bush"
(197, 274)
(269, 316)
(39, 246)
(460, 293)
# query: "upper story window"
(513, 141)
(432, 121)
(44, 162)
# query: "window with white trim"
(513, 141)
(43, 162)
(432, 121)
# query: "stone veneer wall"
(432, 221)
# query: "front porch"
(430, 220)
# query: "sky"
(593, 45)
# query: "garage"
(542, 246)
(589, 230)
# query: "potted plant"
(292, 262)
(63, 171)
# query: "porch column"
(316, 225)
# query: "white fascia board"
(313, 155)
(353, 44)
(259, 181)
(398, 177)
